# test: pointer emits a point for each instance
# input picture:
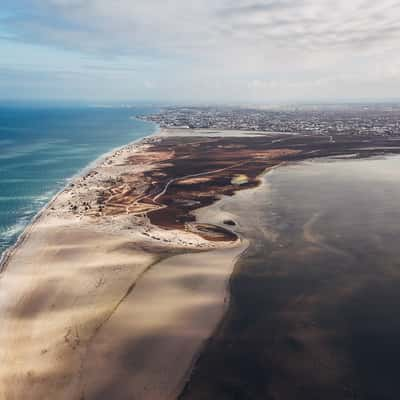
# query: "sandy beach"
(77, 303)
(111, 307)
(115, 289)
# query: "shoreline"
(8, 253)
(245, 222)
(80, 289)
(302, 307)
(124, 273)
(78, 337)
(203, 319)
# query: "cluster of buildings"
(380, 119)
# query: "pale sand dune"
(147, 347)
(109, 308)
(59, 287)
(77, 323)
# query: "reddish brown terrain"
(186, 173)
(110, 301)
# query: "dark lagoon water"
(40, 148)
(316, 298)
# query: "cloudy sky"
(240, 51)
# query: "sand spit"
(115, 288)
(99, 306)
(93, 315)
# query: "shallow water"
(40, 148)
(316, 296)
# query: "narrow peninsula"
(115, 289)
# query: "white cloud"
(192, 25)
(238, 47)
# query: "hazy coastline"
(132, 265)
(42, 149)
(6, 254)
(48, 259)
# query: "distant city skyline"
(220, 51)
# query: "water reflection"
(343, 241)
(315, 298)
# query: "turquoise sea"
(42, 147)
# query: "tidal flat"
(314, 299)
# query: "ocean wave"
(8, 233)
(16, 198)
(24, 149)
(34, 201)
(27, 180)
(44, 198)
(65, 151)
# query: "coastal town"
(351, 119)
